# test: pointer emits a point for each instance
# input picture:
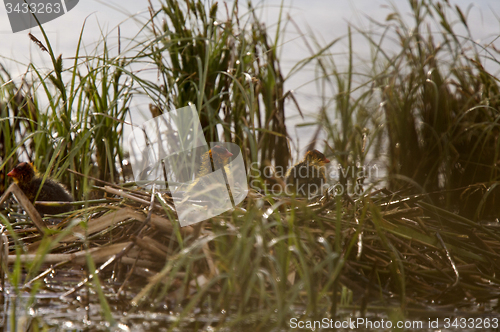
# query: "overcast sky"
(325, 18)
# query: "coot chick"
(307, 177)
(29, 181)
(219, 156)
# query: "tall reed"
(228, 68)
(429, 86)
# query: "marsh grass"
(441, 109)
(428, 99)
(272, 257)
(228, 68)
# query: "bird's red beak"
(12, 173)
(226, 154)
(326, 160)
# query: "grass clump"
(428, 99)
(228, 68)
(441, 109)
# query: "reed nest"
(379, 248)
